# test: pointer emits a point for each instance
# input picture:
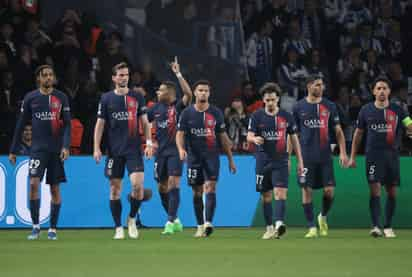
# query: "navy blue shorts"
(383, 167)
(115, 166)
(42, 161)
(202, 169)
(166, 166)
(317, 175)
(268, 176)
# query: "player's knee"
(328, 193)
(163, 187)
(173, 182)
(391, 191)
(114, 193)
(280, 194)
(198, 191)
(375, 189)
(210, 187)
(267, 197)
(55, 194)
(306, 195)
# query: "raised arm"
(187, 91)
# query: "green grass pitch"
(229, 252)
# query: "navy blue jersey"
(274, 129)
(121, 114)
(202, 130)
(315, 123)
(50, 119)
(383, 126)
(166, 117)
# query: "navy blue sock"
(389, 211)
(280, 209)
(326, 205)
(198, 204)
(308, 209)
(375, 210)
(268, 213)
(210, 206)
(164, 197)
(134, 206)
(116, 208)
(54, 215)
(35, 211)
(174, 199)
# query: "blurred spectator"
(276, 12)
(16, 15)
(183, 26)
(111, 55)
(350, 65)
(24, 146)
(311, 23)
(296, 40)
(315, 66)
(367, 41)
(237, 123)
(4, 61)
(24, 70)
(356, 14)
(259, 54)
(37, 38)
(249, 96)
(291, 75)
(71, 86)
(393, 43)
(374, 69)
(7, 39)
(77, 130)
(8, 109)
(221, 35)
(249, 15)
(395, 73)
(343, 106)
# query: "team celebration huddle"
(193, 131)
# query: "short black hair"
(270, 87)
(201, 82)
(381, 79)
(40, 69)
(313, 77)
(169, 85)
(118, 67)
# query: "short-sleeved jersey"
(315, 123)
(202, 130)
(383, 126)
(50, 119)
(166, 118)
(121, 114)
(274, 129)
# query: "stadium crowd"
(348, 42)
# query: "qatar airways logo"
(122, 115)
(272, 135)
(46, 115)
(315, 123)
(202, 132)
(382, 127)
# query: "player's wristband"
(179, 75)
(149, 142)
(407, 121)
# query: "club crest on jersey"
(282, 125)
(324, 113)
(391, 117)
(210, 122)
(132, 104)
(55, 105)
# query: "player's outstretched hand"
(232, 167)
(97, 155)
(352, 163)
(259, 140)
(12, 158)
(175, 66)
(148, 151)
(343, 160)
(182, 155)
(64, 154)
